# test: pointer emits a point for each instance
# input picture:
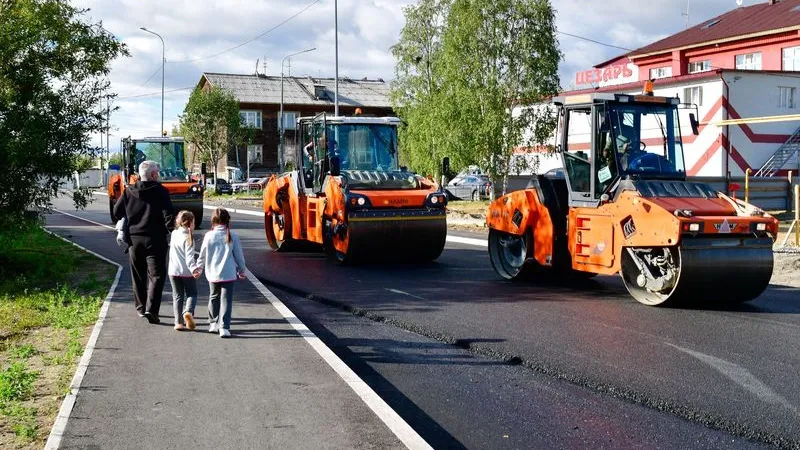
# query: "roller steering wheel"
(650, 161)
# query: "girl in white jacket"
(183, 269)
(223, 261)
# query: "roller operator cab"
(623, 205)
(350, 195)
(169, 153)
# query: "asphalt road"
(471, 360)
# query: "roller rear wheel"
(508, 254)
(278, 227)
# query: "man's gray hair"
(146, 170)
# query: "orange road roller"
(349, 195)
(622, 204)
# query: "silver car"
(469, 187)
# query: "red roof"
(760, 18)
(640, 84)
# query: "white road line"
(388, 416)
(742, 377)
(385, 413)
(85, 220)
(454, 239)
(398, 291)
(468, 241)
(60, 425)
(100, 193)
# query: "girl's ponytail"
(228, 234)
(185, 219)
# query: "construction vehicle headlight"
(761, 227)
(434, 199)
(692, 227)
(361, 201)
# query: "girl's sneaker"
(180, 327)
(224, 333)
(212, 328)
(187, 317)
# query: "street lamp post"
(163, 64)
(280, 116)
(336, 45)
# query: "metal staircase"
(784, 153)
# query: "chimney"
(772, 2)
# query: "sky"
(200, 36)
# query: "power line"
(155, 93)
(285, 21)
(151, 76)
(592, 40)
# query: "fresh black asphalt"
(656, 378)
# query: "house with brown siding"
(259, 99)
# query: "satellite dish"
(738, 2)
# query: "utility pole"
(163, 64)
(108, 136)
(336, 44)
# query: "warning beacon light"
(648, 87)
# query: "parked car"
(252, 184)
(220, 186)
(470, 187)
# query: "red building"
(743, 64)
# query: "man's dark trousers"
(148, 257)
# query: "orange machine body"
(358, 213)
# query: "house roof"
(762, 18)
(301, 90)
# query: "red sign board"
(605, 74)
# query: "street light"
(280, 117)
(163, 63)
(336, 45)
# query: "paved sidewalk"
(150, 387)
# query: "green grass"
(16, 382)
(252, 194)
(48, 285)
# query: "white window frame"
(251, 117)
(699, 66)
(289, 121)
(693, 94)
(749, 61)
(786, 97)
(661, 72)
(790, 57)
(255, 153)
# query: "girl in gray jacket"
(182, 271)
(221, 256)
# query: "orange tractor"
(623, 205)
(169, 153)
(349, 195)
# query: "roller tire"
(279, 241)
(509, 256)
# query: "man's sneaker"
(224, 333)
(212, 328)
(150, 317)
(187, 317)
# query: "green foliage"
(465, 70)
(53, 69)
(22, 419)
(211, 122)
(16, 382)
(24, 351)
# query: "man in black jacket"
(148, 211)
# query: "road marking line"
(85, 220)
(454, 239)
(398, 291)
(468, 241)
(60, 425)
(100, 193)
(385, 413)
(742, 377)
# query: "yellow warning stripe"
(393, 219)
(763, 119)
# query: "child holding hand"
(182, 271)
(221, 256)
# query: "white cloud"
(367, 28)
